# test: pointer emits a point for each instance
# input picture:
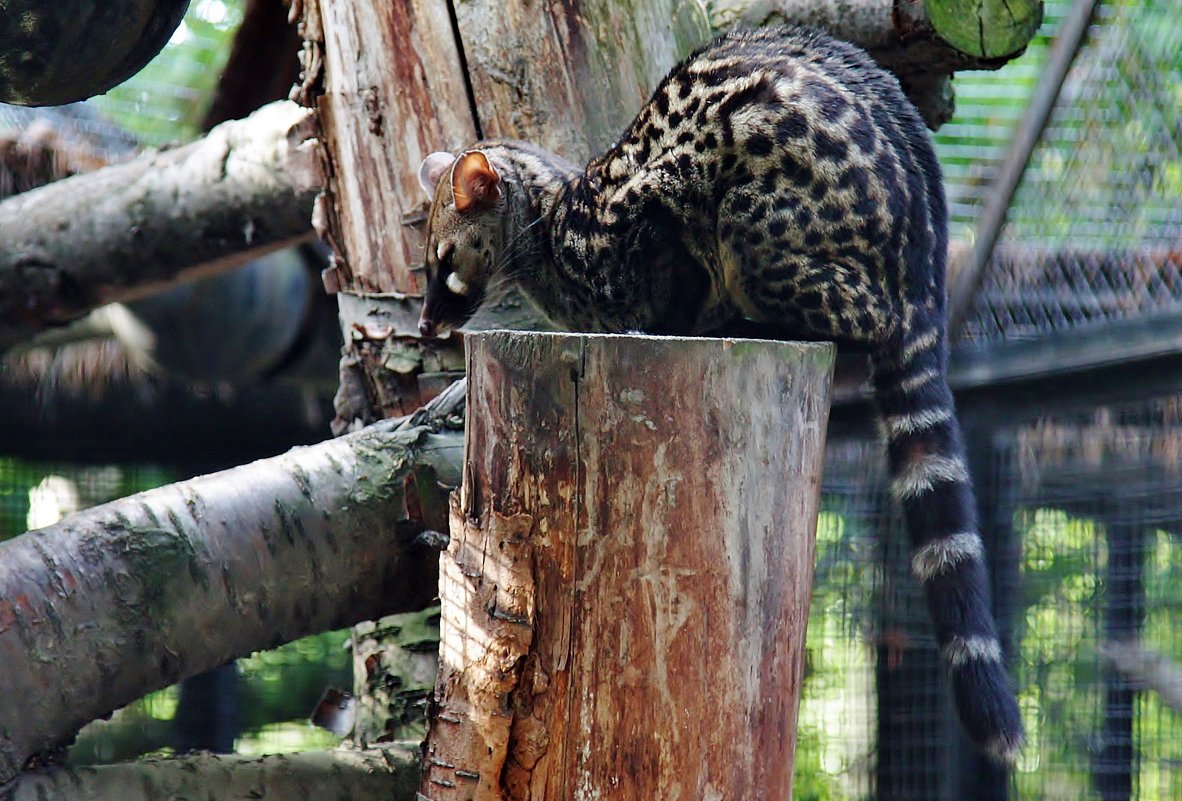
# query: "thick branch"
(124, 231)
(133, 595)
(60, 51)
(379, 774)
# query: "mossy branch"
(131, 596)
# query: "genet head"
(462, 228)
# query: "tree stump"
(626, 589)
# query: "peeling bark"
(130, 229)
(406, 646)
(386, 774)
(388, 86)
(131, 596)
(626, 587)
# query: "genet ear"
(474, 182)
(432, 169)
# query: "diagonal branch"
(129, 229)
(376, 774)
(133, 595)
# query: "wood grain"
(570, 75)
(394, 91)
(626, 590)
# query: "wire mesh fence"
(1092, 233)
(1083, 514)
(1083, 509)
(1099, 515)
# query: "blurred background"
(1068, 372)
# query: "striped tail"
(930, 480)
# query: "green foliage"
(277, 691)
(1064, 559)
(1060, 691)
(836, 715)
(284, 684)
(165, 101)
(92, 485)
(141, 728)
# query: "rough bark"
(570, 76)
(626, 588)
(406, 646)
(394, 658)
(392, 91)
(923, 43)
(130, 229)
(133, 595)
(386, 774)
(387, 81)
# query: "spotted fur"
(777, 178)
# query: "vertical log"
(570, 76)
(625, 593)
(387, 81)
(393, 91)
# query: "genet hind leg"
(812, 297)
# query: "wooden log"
(61, 51)
(571, 78)
(128, 230)
(388, 84)
(386, 773)
(626, 589)
(133, 595)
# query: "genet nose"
(426, 327)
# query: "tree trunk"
(129, 597)
(626, 589)
(387, 81)
(571, 78)
(130, 229)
